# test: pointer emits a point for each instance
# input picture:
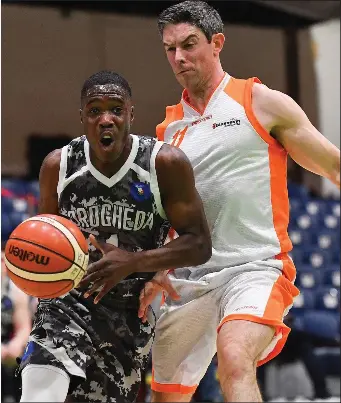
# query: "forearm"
(186, 250)
(21, 335)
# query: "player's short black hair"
(105, 77)
(197, 13)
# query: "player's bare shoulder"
(52, 159)
(171, 159)
(49, 171)
(173, 169)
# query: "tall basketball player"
(237, 134)
(115, 186)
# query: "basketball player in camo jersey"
(125, 190)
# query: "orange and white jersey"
(240, 172)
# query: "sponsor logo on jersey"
(111, 215)
(24, 255)
(203, 119)
(231, 122)
(140, 191)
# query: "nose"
(179, 57)
(106, 121)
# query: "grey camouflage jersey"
(103, 347)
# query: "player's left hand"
(14, 349)
(115, 265)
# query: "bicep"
(48, 182)
(304, 143)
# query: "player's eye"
(94, 111)
(117, 110)
(171, 49)
(189, 45)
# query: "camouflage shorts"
(104, 347)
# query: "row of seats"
(314, 207)
(322, 298)
(21, 188)
(324, 239)
(308, 277)
(315, 257)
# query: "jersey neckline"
(109, 182)
(191, 110)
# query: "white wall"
(326, 45)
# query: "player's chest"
(128, 205)
(223, 136)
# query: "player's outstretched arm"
(184, 210)
(48, 182)
(292, 128)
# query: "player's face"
(189, 53)
(107, 114)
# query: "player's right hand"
(159, 283)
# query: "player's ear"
(81, 115)
(131, 115)
(218, 41)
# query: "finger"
(145, 315)
(96, 243)
(170, 290)
(146, 299)
(91, 278)
(107, 287)
(95, 287)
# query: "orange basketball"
(46, 256)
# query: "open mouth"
(107, 139)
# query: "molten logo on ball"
(23, 255)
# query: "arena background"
(50, 48)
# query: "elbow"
(203, 250)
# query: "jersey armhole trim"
(173, 113)
(259, 128)
(62, 171)
(154, 185)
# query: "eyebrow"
(111, 98)
(185, 40)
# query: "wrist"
(144, 262)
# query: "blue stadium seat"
(321, 324)
(316, 207)
(306, 222)
(331, 221)
(306, 300)
(296, 256)
(6, 205)
(308, 277)
(299, 237)
(326, 239)
(296, 207)
(17, 218)
(316, 257)
(331, 277)
(6, 227)
(16, 186)
(33, 188)
(20, 205)
(297, 191)
(336, 256)
(328, 298)
(333, 207)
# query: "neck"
(202, 92)
(109, 168)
